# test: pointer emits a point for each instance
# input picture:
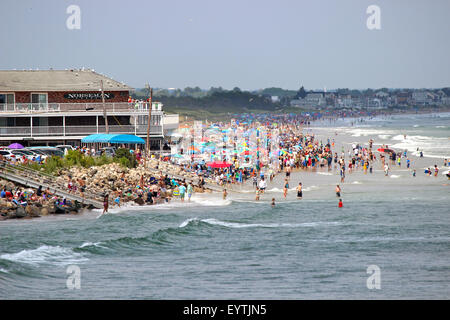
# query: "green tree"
(301, 94)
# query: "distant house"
(275, 99)
(422, 97)
(311, 100)
(382, 95)
(402, 98)
(374, 103)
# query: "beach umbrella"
(385, 150)
(218, 164)
(16, 146)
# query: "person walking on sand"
(255, 182)
(386, 169)
(288, 172)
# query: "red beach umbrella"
(218, 164)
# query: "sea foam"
(46, 254)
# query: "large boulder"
(20, 212)
(32, 211)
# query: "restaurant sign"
(87, 96)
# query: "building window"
(39, 101)
(7, 101)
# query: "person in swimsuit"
(182, 191)
(299, 191)
(338, 191)
(105, 203)
(286, 188)
(189, 191)
(288, 172)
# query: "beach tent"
(113, 138)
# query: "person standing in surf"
(299, 191)
(105, 203)
(182, 192)
(338, 191)
(286, 188)
(190, 190)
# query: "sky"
(250, 44)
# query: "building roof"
(57, 80)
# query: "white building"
(422, 97)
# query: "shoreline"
(111, 177)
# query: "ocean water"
(240, 248)
(428, 132)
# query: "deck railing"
(77, 107)
(77, 130)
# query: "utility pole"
(104, 108)
(147, 146)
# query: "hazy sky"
(246, 43)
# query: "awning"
(113, 138)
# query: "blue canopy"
(113, 138)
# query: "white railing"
(78, 107)
(77, 130)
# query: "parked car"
(6, 153)
(19, 153)
(108, 151)
(64, 147)
(37, 152)
(49, 151)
